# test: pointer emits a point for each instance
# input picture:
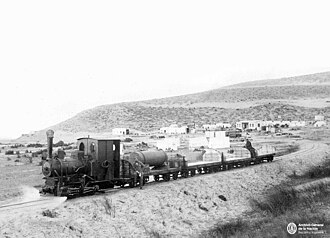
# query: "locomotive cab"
(103, 157)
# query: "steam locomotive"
(97, 165)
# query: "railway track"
(28, 206)
(308, 148)
(23, 204)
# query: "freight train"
(97, 165)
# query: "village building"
(297, 124)
(217, 139)
(320, 123)
(223, 125)
(319, 118)
(120, 131)
(250, 125)
(208, 127)
(174, 129)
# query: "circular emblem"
(291, 228)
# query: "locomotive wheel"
(184, 174)
(175, 176)
(145, 180)
(166, 177)
(199, 171)
(131, 184)
(192, 173)
(156, 178)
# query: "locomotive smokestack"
(50, 136)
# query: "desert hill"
(309, 96)
(311, 79)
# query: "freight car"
(97, 165)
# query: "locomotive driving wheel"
(184, 174)
(175, 176)
(156, 178)
(166, 177)
(132, 184)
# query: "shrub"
(109, 208)
(277, 203)
(127, 140)
(36, 145)
(227, 229)
(320, 171)
(9, 152)
(49, 213)
(16, 146)
(60, 143)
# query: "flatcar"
(97, 165)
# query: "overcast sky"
(58, 58)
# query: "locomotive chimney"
(50, 136)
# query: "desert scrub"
(229, 229)
(300, 204)
(9, 152)
(320, 171)
(278, 202)
(49, 213)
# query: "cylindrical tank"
(67, 166)
(152, 158)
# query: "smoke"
(32, 194)
(29, 194)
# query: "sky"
(58, 58)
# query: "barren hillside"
(311, 79)
(148, 118)
(293, 98)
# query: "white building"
(169, 144)
(320, 123)
(250, 125)
(223, 125)
(197, 142)
(120, 131)
(297, 123)
(174, 129)
(209, 127)
(217, 139)
(319, 118)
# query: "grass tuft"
(49, 213)
(278, 202)
(227, 230)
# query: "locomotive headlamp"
(46, 169)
